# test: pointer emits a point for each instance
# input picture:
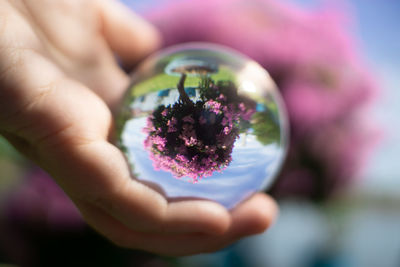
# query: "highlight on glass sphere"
(203, 121)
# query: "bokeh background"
(339, 191)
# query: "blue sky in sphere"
(252, 168)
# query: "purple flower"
(213, 106)
(314, 61)
(190, 139)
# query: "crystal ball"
(203, 121)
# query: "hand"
(59, 81)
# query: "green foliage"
(165, 81)
(159, 82)
(265, 128)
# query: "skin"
(59, 82)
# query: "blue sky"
(376, 28)
(378, 31)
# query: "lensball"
(203, 121)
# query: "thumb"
(127, 34)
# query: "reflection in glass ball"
(202, 121)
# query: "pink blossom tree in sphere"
(195, 139)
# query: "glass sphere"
(203, 121)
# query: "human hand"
(59, 83)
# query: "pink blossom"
(226, 130)
(214, 106)
(316, 64)
(221, 97)
(179, 145)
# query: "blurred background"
(336, 64)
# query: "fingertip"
(220, 218)
(201, 216)
(255, 215)
(127, 33)
(265, 212)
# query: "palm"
(59, 82)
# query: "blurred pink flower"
(315, 63)
(39, 201)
